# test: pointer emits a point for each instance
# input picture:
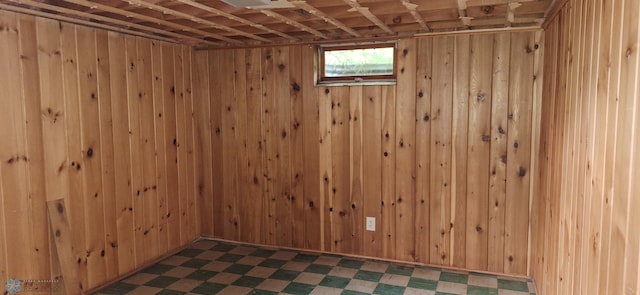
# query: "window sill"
(356, 83)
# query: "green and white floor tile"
(214, 267)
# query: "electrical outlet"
(371, 223)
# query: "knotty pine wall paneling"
(105, 122)
(442, 159)
(586, 237)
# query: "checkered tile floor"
(213, 267)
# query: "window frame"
(365, 79)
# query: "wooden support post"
(62, 235)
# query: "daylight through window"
(353, 64)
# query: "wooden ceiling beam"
(80, 22)
(310, 9)
(128, 14)
(355, 6)
(414, 12)
(293, 23)
(462, 12)
(511, 13)
(194, 19)
(235, 18)
(59, 9)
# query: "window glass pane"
(359, 62)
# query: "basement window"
(357, 64)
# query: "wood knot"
(326, 91)
(522, 172)
(90, 152)
(487, 9)
(281, 67)
(486, 138)
(58, 233)
(60, 208)
(397, 20)
(420, 94)
(426, 118)
(295, 87)
(311, 204)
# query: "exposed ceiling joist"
(115, 21)
(195, 19)
(462, 12)
(80, 22)
(355, 6)
(94, 5)
(235, 18)
(291, 22)
(511, 13)
(414, 12)
(310, 9)
(256, 23)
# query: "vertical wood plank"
(159, 148)
(147, 138)
(340, 154)
(388, 171)
(216, 141)
(13, 154)
(536, 202)
(356, 198)
(134, 95)
(423, 147)
(371, 166)
(281, 137)
(624, 240)
(441, 108)
(34, 142)
(326, 200)
(122, 169)
(244, 199)
(204, 165)
(181, 144)
(107, 160)
(255, 148)
(498, 153)
(269, 128)
(192, 203)
(171, 144)
(74, 150)
(51, 109)
(298, 197)
(405, 150)
(311, 133)
(479, 151)
(91, 154)
(459, 140)
(519, 141)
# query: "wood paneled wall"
(442, 159)
(104, 121)
(587, 234)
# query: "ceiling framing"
(213, 23)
